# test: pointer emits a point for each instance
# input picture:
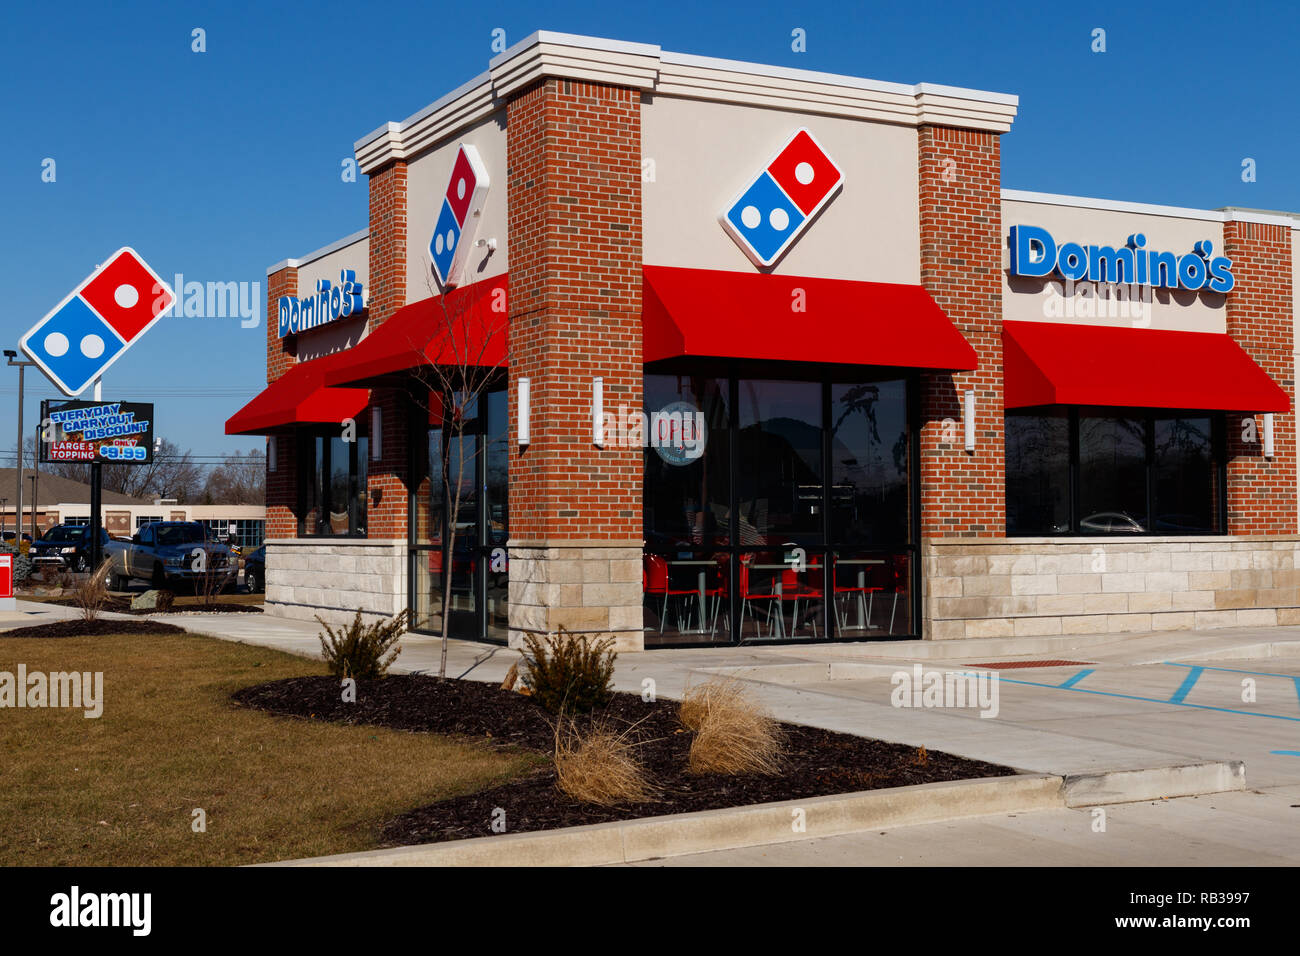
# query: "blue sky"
(217, 164)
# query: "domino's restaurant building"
(771, 356)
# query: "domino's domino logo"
(453, 234)
(98, 321)
(776, 207)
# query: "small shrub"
(91, 593)
(24, 567)
(362, 651)
(568, 674)
(733, 735)
(599, 767)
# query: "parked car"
(168, 554)
(11, 536)
(1111, 521)
(67, 546)
(255, 569)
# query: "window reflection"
(1112, 475)
(779, 462)
(1038, 473)
(870, 452)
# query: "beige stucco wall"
(1026, 299)
(704, 154)
(427, 177)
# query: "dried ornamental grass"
(733, 734)
(92, 592)
(599, 767)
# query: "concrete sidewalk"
(1118, 716)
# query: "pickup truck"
(169, 553)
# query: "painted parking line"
(1149, 700)
(1233, 670)
(1070, 682)
(1186, 686)
(1286, 753)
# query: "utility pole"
(32, 478)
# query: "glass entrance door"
(460, 522)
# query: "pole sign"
(97, 321)
(106, 432)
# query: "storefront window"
(1107, 471)
(747, 541)
(687, 463)
(1038, 473)
(870, 463)
(779, 462)
(333, 486)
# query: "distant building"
(65, 501)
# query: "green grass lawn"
(121, 789)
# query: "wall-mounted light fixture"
(1268, 434)
(969, 416)
(271, 456)
(598, 412)
(524, 408)
(376, 433)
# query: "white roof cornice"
(1226, 214)
(647, 67)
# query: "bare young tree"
(464, 333)
(240, 479)
(173, 473)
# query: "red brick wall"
(278, 356)
(282, 488)
(387, 480)
(963, 493)
(387, 292)
(574, 187)
(1262, 492)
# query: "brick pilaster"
(963, 493)
(282, 488)
(574, 181)
(1262, 492)
(387, 480)
(278, 356)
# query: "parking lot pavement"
(1091, 717)
(1243, 828)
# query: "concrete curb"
(1154, 783)
(679, 834)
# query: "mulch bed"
(816, 763)
(122, 605)
(76, 627)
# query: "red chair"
(654, 578)
(803, 586)
(718, 592)
(854, 591)
(898, 583)
(748, 597)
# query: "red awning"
(470, 328)
(797, 319)
(1053, 363)
(300, 397)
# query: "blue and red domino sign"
(769, 214)
(98, 321)
(462, 204)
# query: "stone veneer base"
(1013, 587)
(333, 578)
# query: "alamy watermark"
(77, 690)
(945, 689)
(216, 300)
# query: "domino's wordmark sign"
(109, 432)
(98, 321)
(776, 207)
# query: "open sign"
(678, 433)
